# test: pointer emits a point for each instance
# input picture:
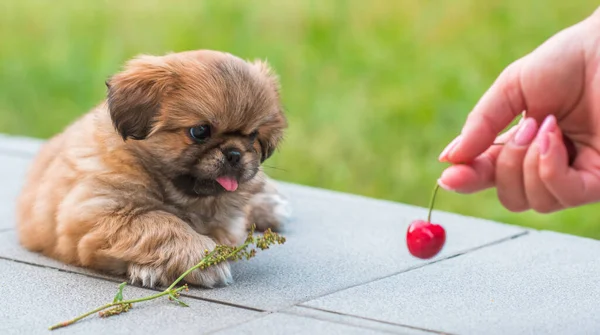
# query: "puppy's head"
(204, 119)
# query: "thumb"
(495, 110)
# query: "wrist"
(591, 26)
(595, 16)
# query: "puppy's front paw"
(218, 275)
(269, 210)
(177, 261)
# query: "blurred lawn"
(374, 89)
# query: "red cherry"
(425, 239)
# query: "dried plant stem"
(119, 303)
(219, 254)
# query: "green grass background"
(374, 89)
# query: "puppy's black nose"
(233, 156)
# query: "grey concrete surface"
(322, 249)
(541, 283)
(35, 298)
(19, 145)
(12, 250)
(335, 241)
(338, 241)
(356, 321)
(278, 323)
(13, 169)
(344, 269)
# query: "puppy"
(168, 166)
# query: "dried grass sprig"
(219, 254)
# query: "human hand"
(557, 88)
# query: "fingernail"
(549, 124)
(544, 142)
(449, 148)
(444, 186)
(526, 132)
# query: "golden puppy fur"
(132, 187)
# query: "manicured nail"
(526, 132)
(449, 148)
(549, 124)
(444, 186)
(544, 142)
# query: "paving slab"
(356, 321)
(278, 323)
(322, 253)
(335, 241)
(338, 241)
(34, 298)
(10, 249)
(13, 169)
(540, 283)
(19, 145)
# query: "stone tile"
(335, 241)
(19, 145)
(278, 323)
(354, 321)
(541, 283)
(34, 298)
(11, 249)
(14, 169)
(338, 241)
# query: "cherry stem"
(431, 201)
(434, 193)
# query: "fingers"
(571, 187)
(510, 182)
(549, 183)
(494, 111)
(477, 175)
(531, 171)
(538, 196)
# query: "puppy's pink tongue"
(228, 183)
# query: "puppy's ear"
(269, 143)
(271, 133)
(134, 96)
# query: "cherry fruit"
(423, 238)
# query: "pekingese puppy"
(167, 166)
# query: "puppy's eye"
(253, 135)
(200, 133)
